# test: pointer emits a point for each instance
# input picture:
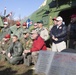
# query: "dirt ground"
(21, 69)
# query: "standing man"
(54, 23)
(43, 31)
(36, 27)
(5, 30)
(14, 52)
(58, 34)
(72, 32)
(18, 30)
(24, 26)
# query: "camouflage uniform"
(4, 45)
(18, 32)
(16, 50)
(27, 43)
(5, 31)
(24, 29)
(44, 33)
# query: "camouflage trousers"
(2, 57)
(31, 58)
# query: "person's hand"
(53, 37)
(26, 51)
(56, 39)
(9, 55)
(3, 52)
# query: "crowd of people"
(24, 45)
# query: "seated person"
(14, 52)
(5, 42)
(38, 44)
(26, 40)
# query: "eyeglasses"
(35, 25)
(24, 33)
(5, 24)
(58, 21)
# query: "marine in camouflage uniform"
(36, 27)
(43, 31)
(24, 28)
(18, 30)
(4, 45)
(27, 44)
(14, 52)
(5, 30)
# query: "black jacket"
(72, 31)
(60, 33)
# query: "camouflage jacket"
(44, 33)
(4, 45)
(5, 31)
(27, 43)
(18, 32)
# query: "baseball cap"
(18, 23)
(59, 18)
(34, 31)
(24, 24)
(7, 36)
(73, 16)
(54, 18)
(26, 31)
(40, 21)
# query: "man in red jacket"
(38, 44)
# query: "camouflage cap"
(26, 31)
(34, 31)
(40, 21)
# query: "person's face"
(40, 25)
(6, 39)
(26, 35)
(14, 39)
(73, 20)
(24, 26)
(59, 22)
(55, 22)
(18, 26)
(5, 25)
(34, 35)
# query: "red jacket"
(38, 44)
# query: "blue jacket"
(60, 33)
